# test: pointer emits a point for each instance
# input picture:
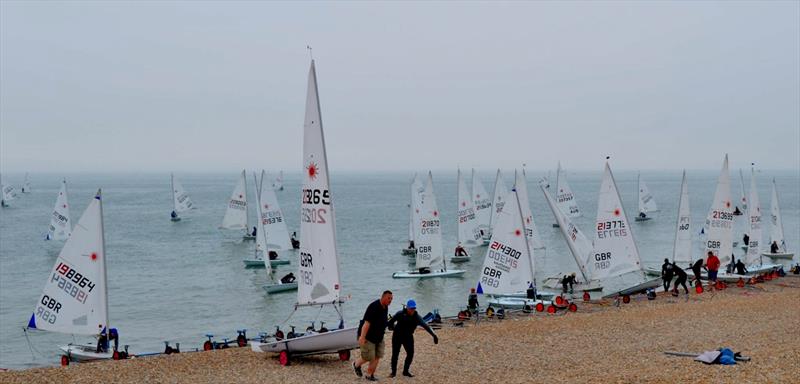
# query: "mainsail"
(579, 245)
(261, 235)
(75, 296)
(26, 186)
(646, 202)
(500, 193)
(413, 208)
(60, 224)
(564, 197)
(180, 199)
(482, 203)
(429, 231)
(468, 232)
(776, 223)
(719, 222)
(508, 266)
(682, 250)
(754, 214)
(319, 265)
(521, 185)
(236, 212)
(271, 217)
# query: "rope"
(30, 345)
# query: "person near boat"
(773, 248)
(460, 251)
(680, 279)
(666, 274)
(255, 230)
(567, 282)
(103, 340)
(712, 265)
(173, 214)
(740, 268)
(273, 255)
(289, 278)
(696, 269)
(642, 215)
(731, 267)
(295, 242)
(746, 239)
(472, 301)
(411, 245)
(737, 212)
(403, 324)
(370, 335)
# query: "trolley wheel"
(573, 307)
(207, 346)
(539, 307)
(344, 355)
(490, 312)
(283, 358)
(586, 296)
(241, 340)
(626, 299)
(551, 308)
(64, 360)
(559, 300)
(463, 315)
(115, 355)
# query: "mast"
(525, 232)
(172, 185)
(105, 265)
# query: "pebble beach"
(602, 342)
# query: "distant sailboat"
(482, 203)
(565, 199)
(430, 261)
(500, 193)
(682, 246)
(647, 204)
(26, 186)
(270, 222)
(468, 232)
(60, 225)
(83, 308)
(278, 183)
(263, 210)
(236, 217)
(413, 211)
(776, 230)
(7, 193)
(180, 199)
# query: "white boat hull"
(555, 283)
(785, 255)
(77, 352)
(459, 259)
(516, 302)
(642, 218)
(326, 342)
(258, 263)
(637, 288)
(417, 275)
(280, 287)
(175, 218)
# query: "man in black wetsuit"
(404, 323)
(746, 239)
(255, 230)
(697, 269)
(740, 268)
(773, 248)
(680, 279)
(666, 273)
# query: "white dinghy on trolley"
(180, 199)
(430, 260)
(776, 230)
(319, 283)
(75, 296)
(60, 224)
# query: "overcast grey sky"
(205, 86)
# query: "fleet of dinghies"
(75, 297)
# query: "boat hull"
(555, 283)
(516, 302)
(248, 237)
(643, 218)
(79, 353)
(258, 263)
(175, 219)
(784, 256)
(653, 283)
(417, 275)
(408, 252)
(280, 287)
(459, 259)
(326, 342)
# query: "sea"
(179, 281)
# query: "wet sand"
(599, 343)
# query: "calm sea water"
(179, 281)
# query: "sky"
(220, 86)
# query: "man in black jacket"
(370, 335)
(404, 323)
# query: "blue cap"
(411, 304)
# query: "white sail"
(319, 265)
(26, 186)
(682, 249)
(500, 193)
(236, 213)
(564, 197)
(75, 296)
(278, 183)
(579, 245)
(468, 232)
(261, 251)
(429, 231)
(719, 222)
(521, 185)
(482, 203)
(180, 199)
(615, 251)
(414, 206)
(272, 219)
(60, 225)
(8, 192)
(646, 202)
(508, 265)
(753, 255)
(776, 223)
(743, 198)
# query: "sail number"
(306, 261)
(613, 228)
(491, 277)
(316, 196)
(314, 215)
(602, 260)
(722, 215)
(74, 276)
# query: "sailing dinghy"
(647, 204)
(413, 211)
(468, 233)
(270, 220)
(7, 193)
(236, 217)
(430, 260)
(26, 186)
(75, 296)
(682, 245)
(274, 285)
(60, 225)
(776, 229)
(482, 203)
(753, 259)
(565, 199)
(180, 199)
(498, 200)
(278, 183)
(318, 274)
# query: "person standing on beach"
(666, 274)
(712, 264)
(696, 269)
(370, 335)
(680, 279)
(404, 323)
